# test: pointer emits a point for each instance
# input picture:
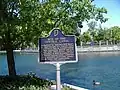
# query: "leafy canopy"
(24, 21)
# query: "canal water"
(103, 67)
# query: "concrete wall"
(98, 49)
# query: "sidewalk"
(53, 87)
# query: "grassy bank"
(23, 82)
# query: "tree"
(114, 34)
(86, 37)
(22, 22)
(92, 29)
(92, 25)
(15, 32)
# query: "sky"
(113, 12)
(113, 8)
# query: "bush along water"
(23, 82)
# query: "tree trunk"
(10, 61)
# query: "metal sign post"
(58, 85)
(57, 49)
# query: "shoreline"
(114, 48)
(79, 50)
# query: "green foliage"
(92, 25)
(78, 41)
(86, 37)
(27, 20)
(23, 83)
(103, 34)
(26, 82)
(100, 16)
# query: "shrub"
(23, 82)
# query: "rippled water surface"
(102, 67)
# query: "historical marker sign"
(57, 48)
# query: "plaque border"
(54, 62)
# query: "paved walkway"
(53, 87)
